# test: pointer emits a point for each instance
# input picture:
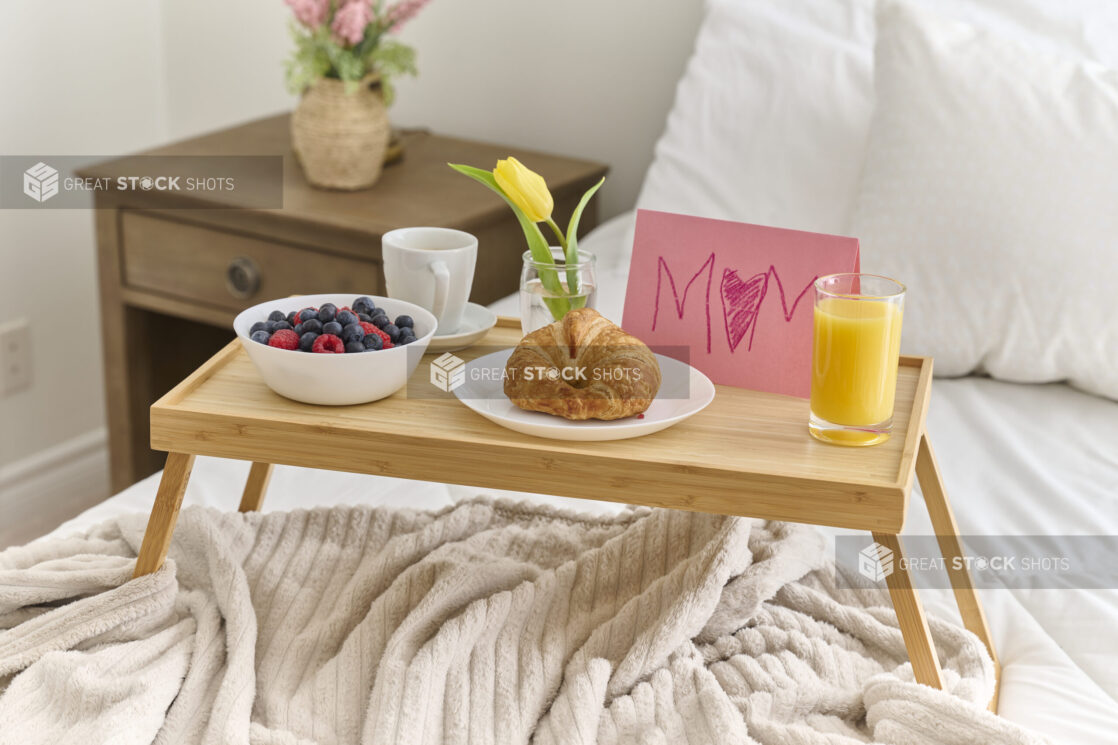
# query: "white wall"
(76, 78)
(223, 62)
(583, 77)
(590, 78)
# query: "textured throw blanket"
(486, 622)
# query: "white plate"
(476, 322)
(684, 392)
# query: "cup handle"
(442, 286)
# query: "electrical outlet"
(15, 356)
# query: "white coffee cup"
(431, 267)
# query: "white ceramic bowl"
(335, 379)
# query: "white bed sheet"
(1017, 459)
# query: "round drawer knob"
(242, 278)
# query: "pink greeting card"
(739, 296)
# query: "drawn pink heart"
(741, 301)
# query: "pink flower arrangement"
(352, 21)
(346, 39)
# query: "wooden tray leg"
(258, 477)
(164, 513)
(947, 534)
(910, 614)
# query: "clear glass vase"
(548, 291)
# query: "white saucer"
(684, 392)
(476, 322)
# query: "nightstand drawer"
(230, 270)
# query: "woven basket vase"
(340, 138)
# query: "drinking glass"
(854, 359)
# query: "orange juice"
(854, 365)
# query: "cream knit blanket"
(486, 622)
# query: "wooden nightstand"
(172, 278)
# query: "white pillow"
(990, 188)
(771, 116)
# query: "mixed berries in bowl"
(335, 349)
(332, 330)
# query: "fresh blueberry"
(277, 315)
(312, 324)
(292, 318)
(327, 312)
(307, 314)
(392, 331)
(373, 341)
(270, 326)
(332, 327)
(363, 304)
(353, 332)
(258, 326)
(405, 322)
(281, 325)
(306, 341)
(364, 317)
(354, 346)
(405, 340)
(299, 329)
(380, 321)
(261, 336)
(346, 317)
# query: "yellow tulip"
(525, 188)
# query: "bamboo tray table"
(747, 454)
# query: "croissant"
(582, 367)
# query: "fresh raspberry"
(368, 327)
(328, 344)
(284, 339)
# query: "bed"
(1017, 458)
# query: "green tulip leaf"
(572, 244)
(572, 283)
(572, 229)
